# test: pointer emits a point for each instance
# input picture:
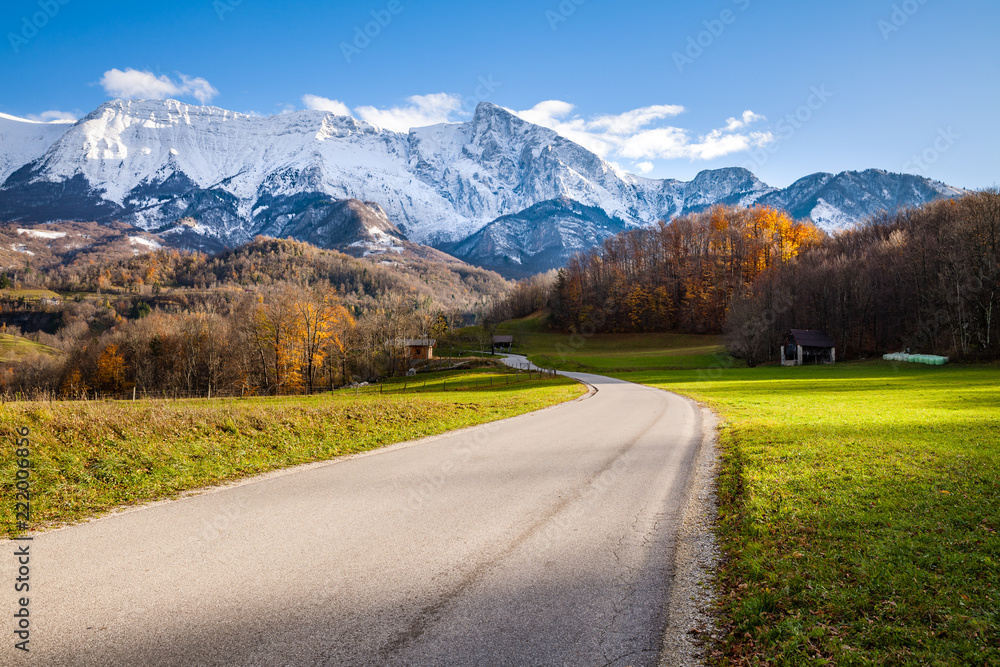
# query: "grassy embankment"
(89, 458)
(28, 294)
(860, 505)
(15, 348)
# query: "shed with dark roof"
(502, 343)
(807, 346)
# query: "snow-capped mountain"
(231, 176)
(23, 140)
(838, 201)
(537, 239)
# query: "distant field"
(91, 457)
(860, 510)
(614, 352)
(14, 348)
(29, 294)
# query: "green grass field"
(860, 510)
(28, 294)
(91, 457)
(603, 353)
(472, 380)
(15, 348)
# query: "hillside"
(118, 258)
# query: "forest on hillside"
(274, 316)
(925, 279)
(675, 276)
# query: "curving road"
(546, 539)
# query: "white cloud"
(198, 88)
(645, 167)
(325, 104)
(143, 84)
(632, 121)
(421, 111)
(54, 116)
(665, 143)
(748, 117)
(635, 135)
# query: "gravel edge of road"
(690, 624)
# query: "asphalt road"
(546, 539)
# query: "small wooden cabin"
(807, 346)
(419, 348)
(502, 343)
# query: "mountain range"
(497, 191)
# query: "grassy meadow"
(860, 510)
(92, 457)
(604, 353)
(28, 294)
(15, 348)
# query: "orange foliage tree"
(678, 275)
(111, 370)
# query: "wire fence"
(416, 385)
(391, 387)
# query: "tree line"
(675, 276)
(279, 339)
(925, 279)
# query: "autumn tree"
(111, 370)
(322, 322)
(678, 275)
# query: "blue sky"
(662, 88)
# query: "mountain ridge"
(152, 163)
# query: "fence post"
(133, 393)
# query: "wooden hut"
(502, 343)
(419, 348)
(807, 346)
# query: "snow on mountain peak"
(153, 162)
(23, 140)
